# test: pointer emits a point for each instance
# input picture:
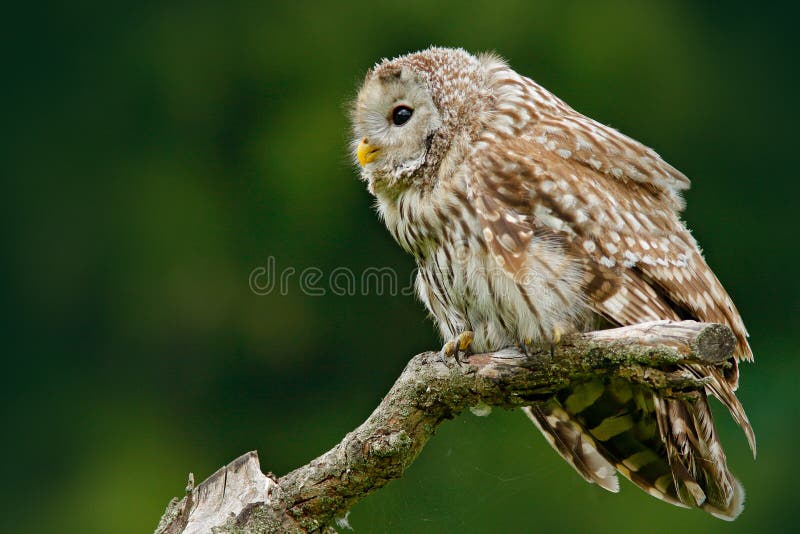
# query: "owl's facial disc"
(394, 121)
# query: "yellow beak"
(366, 152)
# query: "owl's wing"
(606, 151)
(639, 264)
(640, 261)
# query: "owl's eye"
(401, 114)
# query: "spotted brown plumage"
(528, 220)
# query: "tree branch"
(239, 498)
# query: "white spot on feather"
(608, 262)
(631, 258)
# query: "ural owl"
(529, 220)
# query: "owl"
(529, 221)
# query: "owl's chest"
(469, 290)
(465, 288)
(425, 222)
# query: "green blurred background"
(156, 153)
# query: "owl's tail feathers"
(667, 447)
(570, 441)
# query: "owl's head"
(415, 116)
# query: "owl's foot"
(455, 348)
(557, 333)
(529, 347)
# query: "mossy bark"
(428, 392)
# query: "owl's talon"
(465, 339)
(449, 348)
(557, 333)
(457, 347)
(527, 346)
